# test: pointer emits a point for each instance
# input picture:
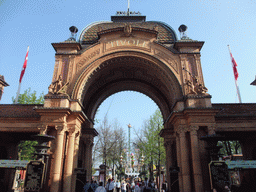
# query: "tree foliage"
(230, 147)
(25, 148)
(29, 98)
(110, 144)
(151, 144)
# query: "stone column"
(197, 171)
(57, 162)
(87, 158)
(168, 159)
(184, 159)
(76, 152)
(90, 164)
(69, 160)
(179, 162)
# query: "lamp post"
(129, 142)
(159, 159)
(38, 169)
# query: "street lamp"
(129, 133)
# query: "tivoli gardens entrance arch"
(128, 53)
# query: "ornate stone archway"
(129, 57)
(129, 54)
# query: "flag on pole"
(234, 65)
(24, 66)
(21, 76)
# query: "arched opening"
(127, 71)
(129, 134)
(138, 72)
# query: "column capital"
(42, 128)
(181, 130)
(61, 128)
(193, 129)
(197, 56)
(73, 130)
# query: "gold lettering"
(123, 42)
(144, 43)
(133, 42)
(111, 42)
(126, 42)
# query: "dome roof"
(89, 34)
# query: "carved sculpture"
(128, 30)
(63, 89)
(202, 89)
(194, 86)
(191, 87)
(55, 86)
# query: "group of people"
(138, 186)
(128, 185)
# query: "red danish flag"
(24, 66)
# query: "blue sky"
(217, 22)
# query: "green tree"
(230, 147)
(29, 98)
(151, 144)
(109, 144)
(25, 148)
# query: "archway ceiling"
(129, 73)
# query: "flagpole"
(237, 88)
(21, 76)
(238, 92)
(128, 11)
(18, 93)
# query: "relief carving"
(70, 70)
(63, 89)
(167, 58)
(194, 87)
(54, 119)
(57, 86)
(128, 30)
(84, 60)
